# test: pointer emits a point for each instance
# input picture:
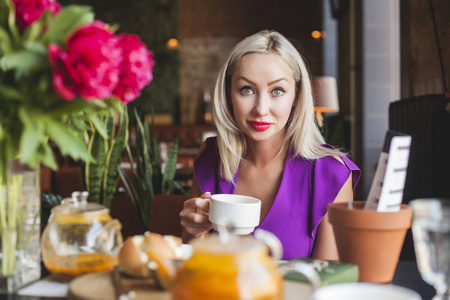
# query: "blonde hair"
(301, 131)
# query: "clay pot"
(369, 239)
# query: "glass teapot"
(80, 237)
(232, 268)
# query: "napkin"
(330, 272)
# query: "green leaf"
(34, 31)
(97, 105)
(68, 143)
(98, 125)
(71, 107)
(134, 198)
(133, 170)
(5, 41)
(111, 128)
(94, 170)
(12, 22)
(36, 47)
(48, 157)
(79, 125)
(143, 162)
(180, 188)
(156, 160)
(32, 134)
(10, 93)
(22, 60)
(115, 104)
(113, 160)
(170, 169)
(67, 20)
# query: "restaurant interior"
(389, 61)
(379, 52)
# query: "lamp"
(325, 96)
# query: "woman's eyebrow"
(270, 83)
(277, 80)
(245, 79)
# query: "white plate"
(366, 291)
(187, 251)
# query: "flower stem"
(11, 218)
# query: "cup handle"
(303, 268)
(204, 212)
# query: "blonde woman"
(269, 147)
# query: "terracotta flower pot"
(370, 239)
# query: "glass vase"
(19, 227)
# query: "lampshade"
(325, 94)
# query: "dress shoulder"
(328, 177)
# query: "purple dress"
(307, 187)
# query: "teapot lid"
(215, 243)
(78, 204)
(227, 242)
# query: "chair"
(427, 119)
(164, 218)
(164, 214)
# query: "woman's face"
(262, 95)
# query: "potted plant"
(100, 177)
(147, 171)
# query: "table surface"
(406, 275)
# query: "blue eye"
(246, 90)
(278, 92)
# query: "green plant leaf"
(156, 160)
(115, 104)
(94, 171)
(68, 142)
(32, 134)
(180, 188)
(34, 31)
(133, 169)
(99, 125)
(79, 125)
(11, 93)
(12, 22)
(134, 198)
(143, 163)
(113, 160)
(47, 157)
(71, 107)
(170, 169)
(36, 47)
(5, 42)
(22, 60)
(67, 20)
(111, 128)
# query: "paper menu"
(386, 192)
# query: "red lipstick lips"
(260, 126)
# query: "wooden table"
(406, 275)
(88, 287)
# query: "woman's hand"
(193, 220)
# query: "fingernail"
(208, 193)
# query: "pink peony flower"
(28, 11)
(136, 68)
(90, 66)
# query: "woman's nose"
(262, 106)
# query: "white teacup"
(242, 212)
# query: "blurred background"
(379, 52)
